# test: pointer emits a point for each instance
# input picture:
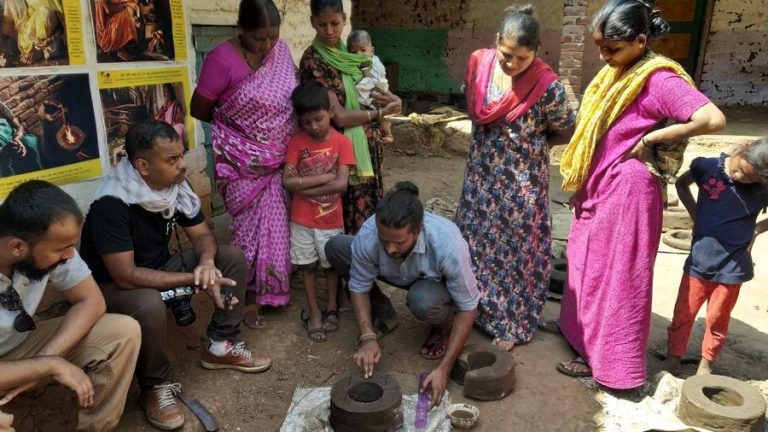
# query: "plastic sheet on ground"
(654, 408)
(311, 407)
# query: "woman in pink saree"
(614, 237)
(244, 91)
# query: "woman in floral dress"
(518, 109)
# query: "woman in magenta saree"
(248, 82)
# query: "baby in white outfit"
(374, 77)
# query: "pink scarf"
(526, 91)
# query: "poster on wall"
(132, 96)
(139, 30)
(41, 33)
(47, 130)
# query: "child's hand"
(290, 171)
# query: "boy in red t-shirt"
(316, 172)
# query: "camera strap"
(199, 410)
(184, 266)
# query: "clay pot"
(366, 405)
(721, 404)
(678, 239)
(486, 372)
(558, 276)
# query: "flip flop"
(253, 320)
(331, 320)
(316, 334)
(551, 326)
(436, 344)
(561, 367)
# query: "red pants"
(720, 301)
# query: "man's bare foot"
(503, 345)
(705, 367)
(671, 364)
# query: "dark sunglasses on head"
(11, 301)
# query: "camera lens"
(181, 307)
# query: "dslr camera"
(179, 301)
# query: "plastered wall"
(431, 40)
(735, 66)
(295, 29)
(735, 70)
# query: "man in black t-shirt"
(125, 242)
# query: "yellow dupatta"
(607, 97)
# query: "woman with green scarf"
(328, 62)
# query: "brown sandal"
(316, 334)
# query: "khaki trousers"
(107, 354)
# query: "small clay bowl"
(463, 416)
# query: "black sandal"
(331, 320)
(316, 334)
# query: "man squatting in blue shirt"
(419, 252)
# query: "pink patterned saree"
(250, 133)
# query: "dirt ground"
(544, 400)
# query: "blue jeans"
(427, 299)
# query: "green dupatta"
(348, 65)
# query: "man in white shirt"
(86, 350)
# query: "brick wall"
(24, 95)
(572, 47)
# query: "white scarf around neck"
(125, 183)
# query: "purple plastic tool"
(422, 404)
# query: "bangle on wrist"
(299, 181)
(380, 115)
(368, 113)
(645, 144)
(367, 337)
